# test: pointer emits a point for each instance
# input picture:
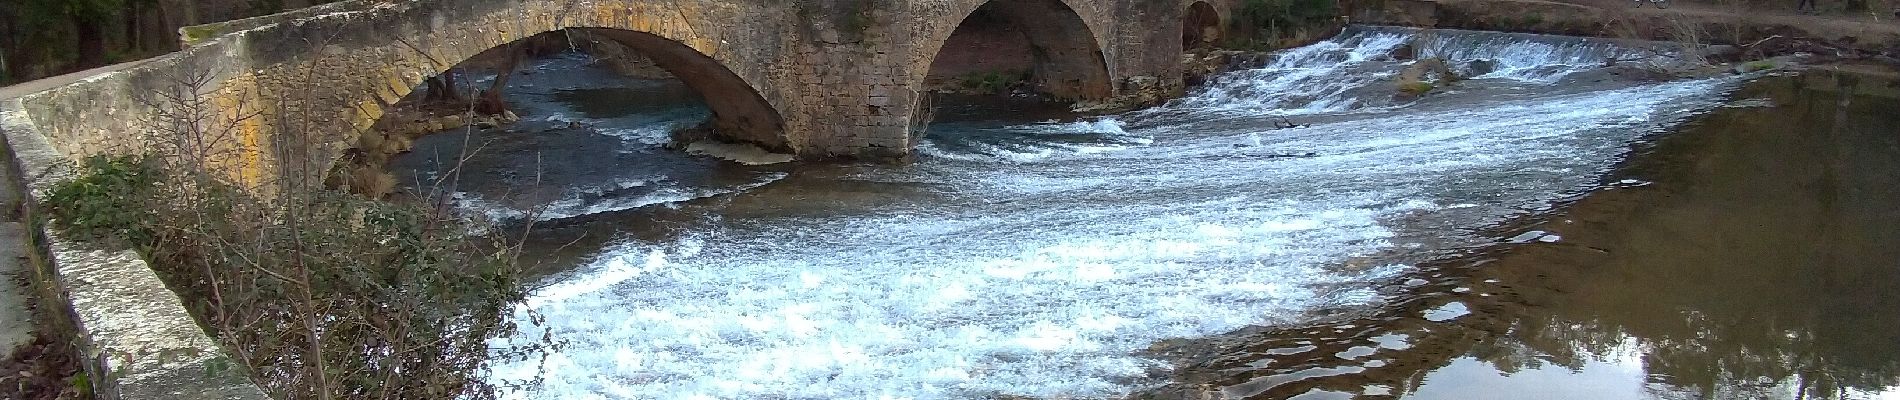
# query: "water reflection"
(1762, 263)
(1753, 255)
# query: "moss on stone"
(192, 35)
(1758, 65)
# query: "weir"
(1352, 70)
(1028, 253)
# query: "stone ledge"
(135, 333)
(194, 35)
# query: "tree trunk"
(443, 90)
(159, 34)
(491, 102)
(190, 8)
(436, 91)
(134, 38)
(92, 43)
(454, 93)
(7, 48)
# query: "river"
(1386, 248)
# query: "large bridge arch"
(1070, 61)
(435, 35)
(326, 81)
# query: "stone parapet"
(137, 338)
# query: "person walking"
(1806, 7)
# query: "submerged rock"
(740, 153)
(1403, 52)
(1422, 77)
(1480, 67)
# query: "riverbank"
(1736, 258)
(1761, 31)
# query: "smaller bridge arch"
(1200, 25)
(1068, 60)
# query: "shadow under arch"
(1068, 60)
(1200, 25)
(740, 113)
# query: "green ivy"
(107, 199)
(994, 82)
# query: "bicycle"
(1660, 4)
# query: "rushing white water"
(1540, 58)
(1036, 260)
(1354, 70)
(1306, 80)
(580, 201)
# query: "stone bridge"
(818, 78)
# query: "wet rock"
(686, 137)
(493, 121)
(1623, 72)
(1404, 52)
(740, 153)
(1248, 60)
(1422, 77)
(1480, 67)
(1197, 68)
(1138, 91)
(457, 120)
(1721, 53)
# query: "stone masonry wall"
(134, 334)
(820, 78)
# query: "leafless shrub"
(1691, 39)
(316, 293)
(926, 113)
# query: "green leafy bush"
(107, 199)
(994, 82)
(1758, 65)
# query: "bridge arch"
(1068, 64)
(740, 112)
(333, 91)
(1200, 25)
